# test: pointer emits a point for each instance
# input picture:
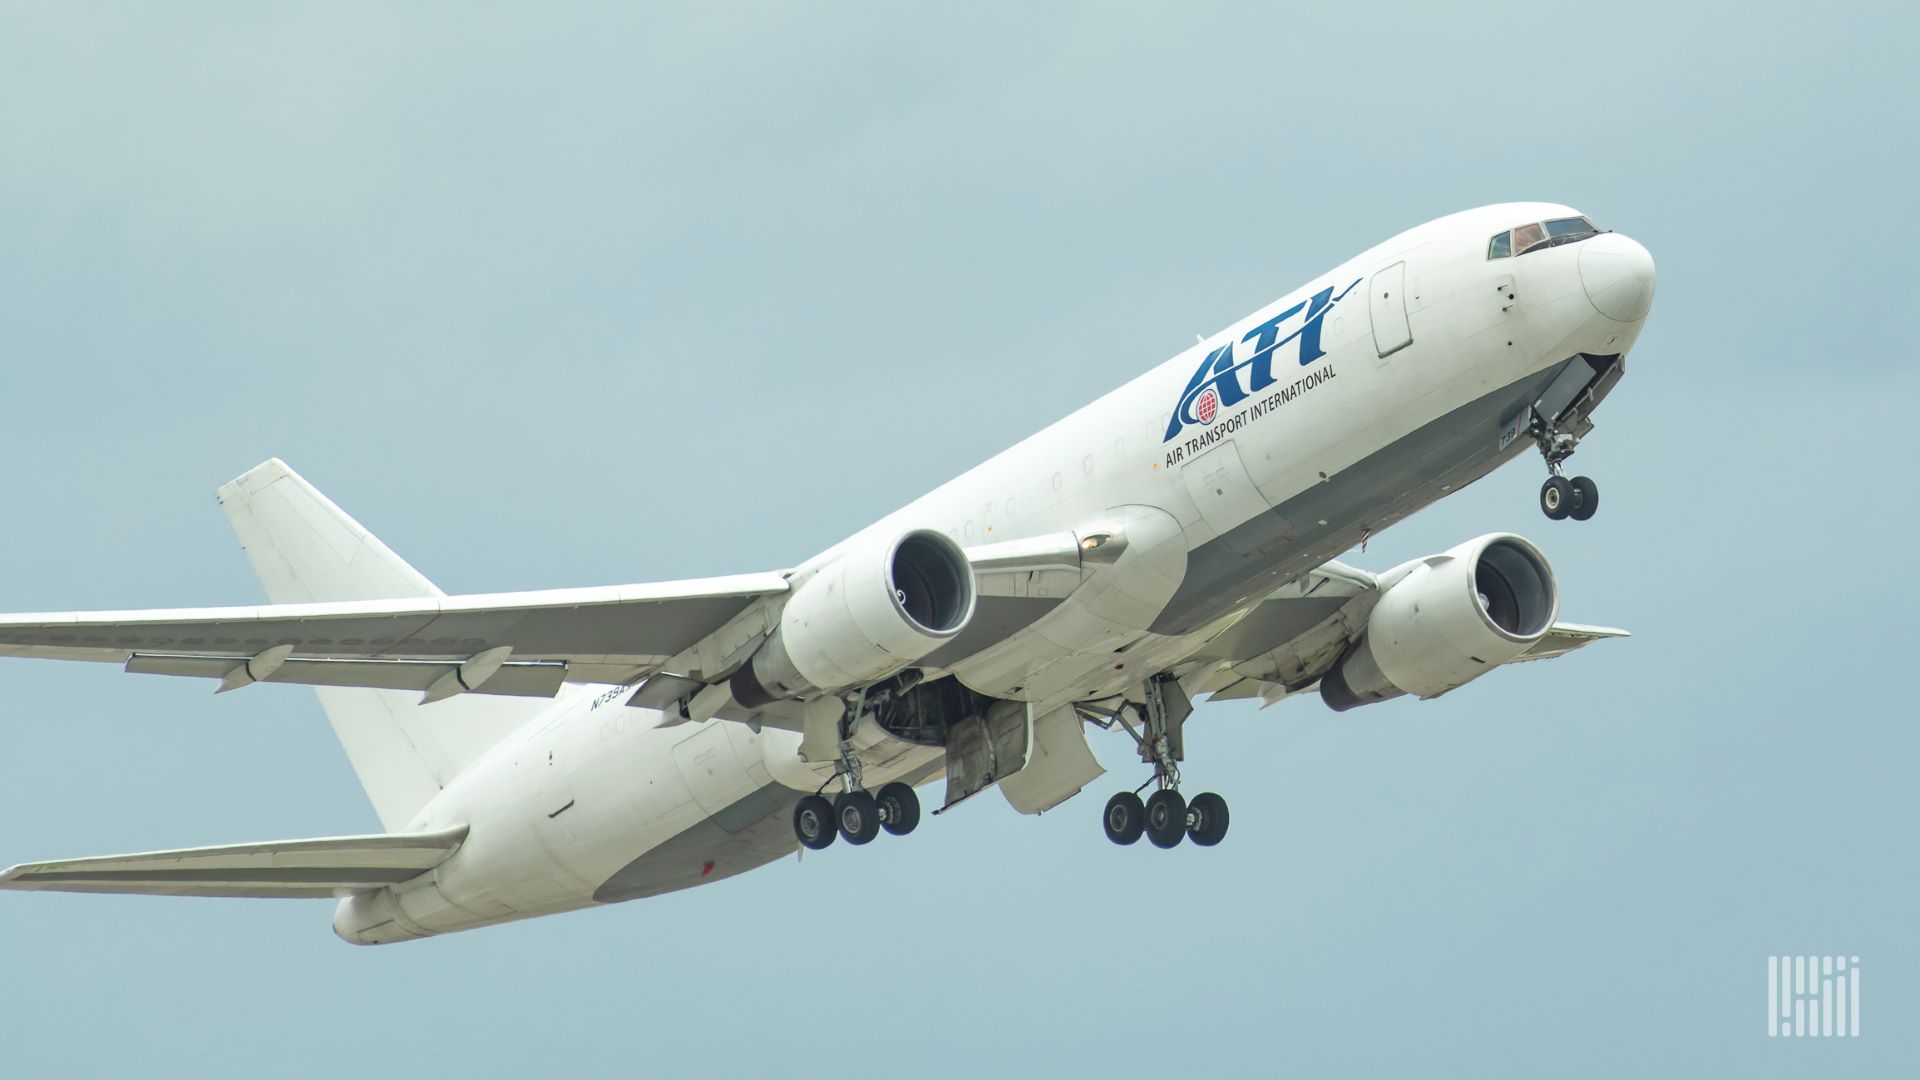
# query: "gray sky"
(565, 297)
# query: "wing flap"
(330, 866)
(536, 678)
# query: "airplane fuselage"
(1237, 466)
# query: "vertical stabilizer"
(305, 549)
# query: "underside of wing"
(333, 866)
(1286, 640)
(521, 644)
(1284, 644)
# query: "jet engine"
(882, 605)
(1447, 620)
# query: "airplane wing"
(1564, 637)
(1291, 638)
(284, 868)
(522, 644)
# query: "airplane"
(533, 753)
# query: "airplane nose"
(1618, 275)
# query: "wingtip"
(1593, 631)
(256, 478)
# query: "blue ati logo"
(1240, 369)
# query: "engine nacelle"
(1448, 620)
(875, 610)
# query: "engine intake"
(870, 613)
(1447, 620)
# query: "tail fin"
(305, 549)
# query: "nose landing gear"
(1165, 817)
(1560, 497)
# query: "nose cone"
(1618, 275)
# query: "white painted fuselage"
(1230, 484)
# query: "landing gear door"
(1059, 766)
(1387, 300)
(984, 749)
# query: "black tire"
(1125, 819)
(1166, 818)
(813, 822)
(899, 808)
(1207, 819)
(858, 816)
(1556, 497)
(1586, 498)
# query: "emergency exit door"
(1388, 302)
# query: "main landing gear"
(1560, 497)
(1165, 817)
(857, 815)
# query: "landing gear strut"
(1560, 497)
(855, 814)
(1165, 817)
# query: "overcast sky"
(565, 295)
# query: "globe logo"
(1207, 406)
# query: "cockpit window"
(1570, 227)
(1542, 235)
(1526, 236)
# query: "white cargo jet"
(533, 753)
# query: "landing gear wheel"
(899, 808)
(1556, 497)
(813, 822)
(858, 816)
(1207, 819)
(1586, 498)
(1125, 819)
(1166, 818)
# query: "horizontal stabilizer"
(332, 866)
